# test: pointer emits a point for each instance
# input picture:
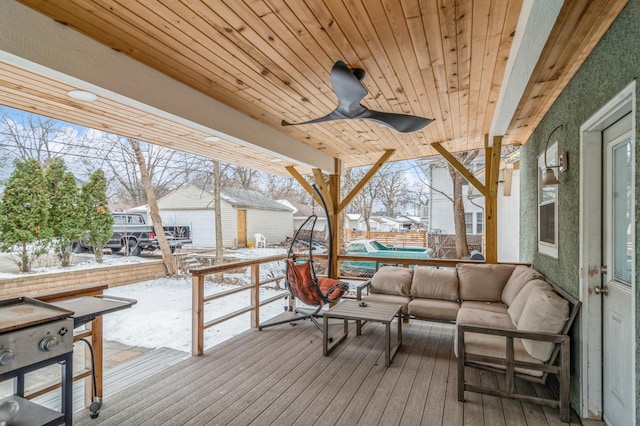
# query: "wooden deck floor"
(121, 376)
(279, 376)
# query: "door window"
(622, 211)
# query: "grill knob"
(6, 356)
(48, 344)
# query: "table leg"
(387, 344)
(325, 338)
(389, 352)
(400, 330)
(326, 349)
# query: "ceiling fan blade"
(334, 115)
(401, 122)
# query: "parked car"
(131, 234)
(373, 248)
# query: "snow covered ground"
(162, 316)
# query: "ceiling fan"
(347, 84)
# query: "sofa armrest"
(514, 334)
(509, 364)
(362, 286)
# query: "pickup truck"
(373, 248)
(131, 234)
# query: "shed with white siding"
(244, 213)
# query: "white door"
(618, 276)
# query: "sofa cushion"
(519, 278)
(488, 345)
(515, 309)
(483, 282)
(392, 280)
(544, 312)
(433, 283)
(482, 318)
(485, 306)
(434, 309)
(389, 298)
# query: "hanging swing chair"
(301, 279)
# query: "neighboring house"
(389, 224)
(352, 221)
(302, 211)
(441, 207)
(356, 222)
(244, 213)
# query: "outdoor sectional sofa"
(509, 319)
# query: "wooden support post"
(197, 312)
(331, 194)
(334, 219)
(492, 159)
(255, 295)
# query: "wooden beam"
(323, 188)
(496, 150)
(487, 161)
(492, 158)
(303, 182)
(383, 159)
(451, 159)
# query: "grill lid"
(24, 312)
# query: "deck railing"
(199, 299)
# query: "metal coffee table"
(373, 311)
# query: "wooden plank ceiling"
(271, 60)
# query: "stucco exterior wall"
(607, 71)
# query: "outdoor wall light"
(548, 176)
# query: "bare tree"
(457, 198)
(217, 190)
(244, 177)
(167, 257)
(167, 168)
(27, 136)
(363, 202)
(462, 245)
(392, 191)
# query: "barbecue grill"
(35, 334)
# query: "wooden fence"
(395, 239)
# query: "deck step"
(121, 376)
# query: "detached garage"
(244, 214)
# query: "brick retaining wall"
(113, 276)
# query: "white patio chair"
(260, 240)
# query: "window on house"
(548, 207)
(479, 222)
(468, 220)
